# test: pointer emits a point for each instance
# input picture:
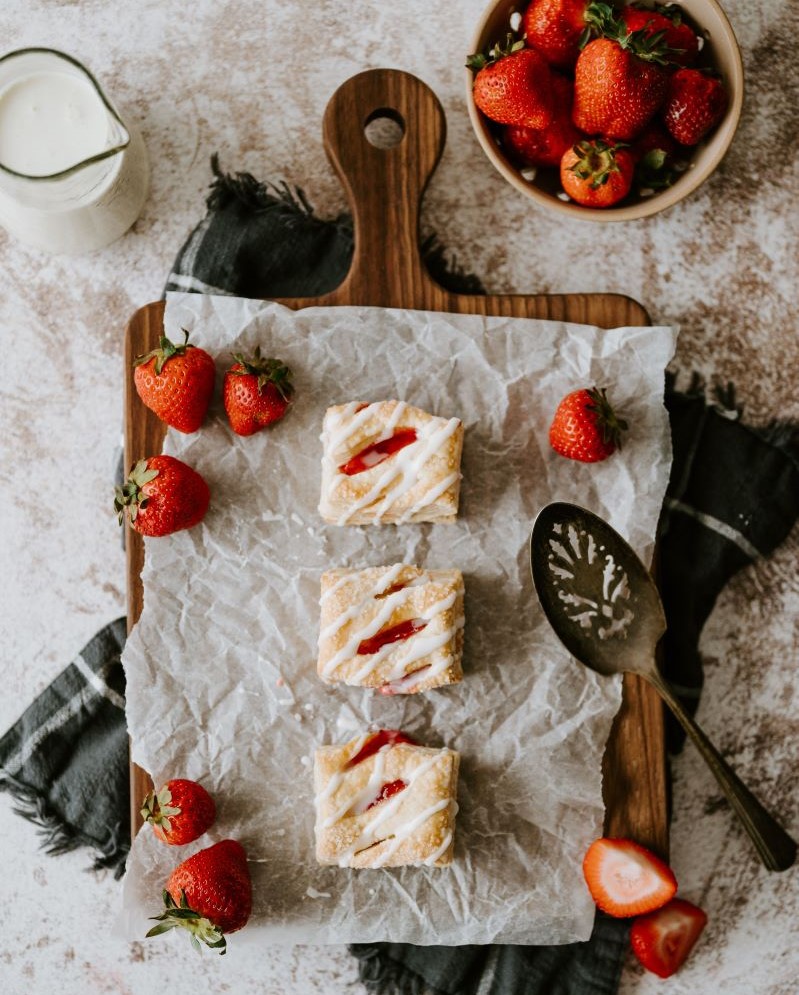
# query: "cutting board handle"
(385, 185)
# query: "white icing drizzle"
(384, 582)
(386, 809)
(349, 414)
(410, 464)
(430, 497)
(442, 849)
(404, 465)
(407, 829)
(421, 647)
(338, 777)
(427, 642)
(350, 648)
(346, 579)
(361, 801)
(406, 684)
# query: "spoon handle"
(776, 848)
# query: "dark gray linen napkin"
(733, 496)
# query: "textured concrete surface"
(250, 80)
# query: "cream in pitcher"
(73, 177)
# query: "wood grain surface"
(385, 189)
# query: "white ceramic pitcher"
(73, 176)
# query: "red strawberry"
(162, 495)
(179, 812)
(654, 138)
(513, 85)
(695, 103)
(545, 146)
(654, 152)
(626, 879)
(679, 36)
(176, 382)
(558, 28)
(618, 85)
(209, 894)
(663, 939)
(257, 392)
(596, 173)
(585, 427)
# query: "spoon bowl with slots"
(605, 608)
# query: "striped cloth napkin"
(733, 496)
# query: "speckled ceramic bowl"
(720, 50)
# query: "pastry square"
(389, 462)
(384, 801)
(397, 628)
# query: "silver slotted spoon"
(604, 607)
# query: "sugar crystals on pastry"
(384, 801)
(396, 628)
(389, 462)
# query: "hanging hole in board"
(384, 128)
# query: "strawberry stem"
(267, 371)
(200, 929)
(607, 420)
(130, 495)
(156, 808)
(596, 161)
(480, 60)
(165, 351)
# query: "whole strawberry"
(176, 382)
(679, 36)
(545, 146)
(585, 427)
(656, 154)
(619, 84)
(596, 173)
(162, 495)
(210, 894)
(179, 812)
(257, 392)
(559, 28)
(695, 103)
(513, 85)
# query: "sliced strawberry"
(378, 452)
(394, 634)
(383, 737)
(626, 879)
(387, 791)
(663, 939)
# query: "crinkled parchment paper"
(222, 683)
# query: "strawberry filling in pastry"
(387, 791)
(383, 737)
(378, 452)
(393, 634)
(391, 590)
(406, 684)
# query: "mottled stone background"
(251, 80)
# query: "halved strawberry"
(663, 939)
(626, 879)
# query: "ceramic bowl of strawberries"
(605, 111)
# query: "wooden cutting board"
(385, 188)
